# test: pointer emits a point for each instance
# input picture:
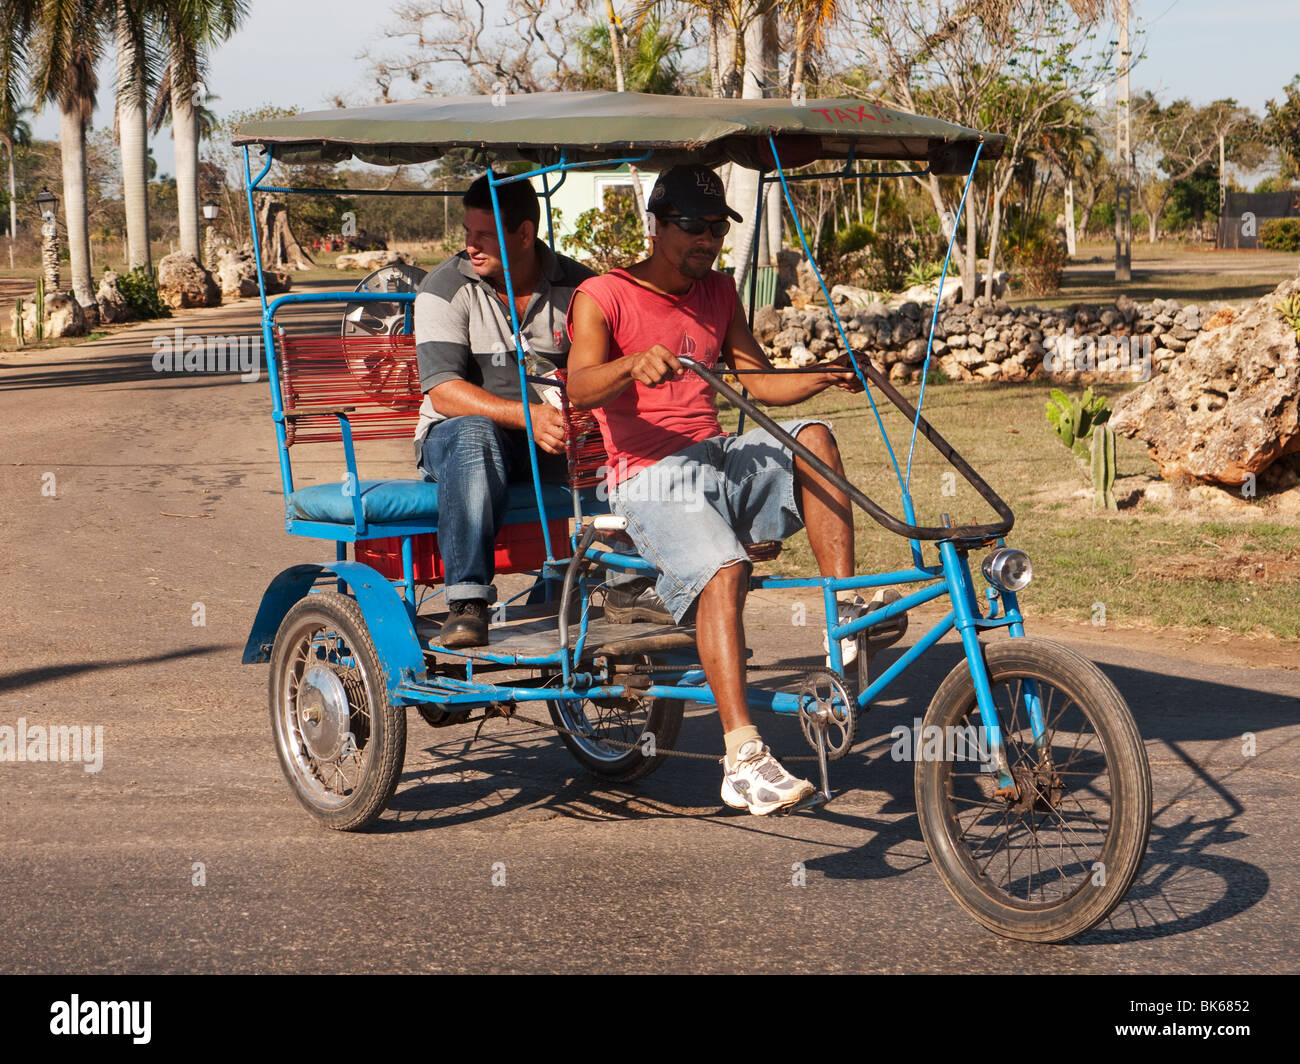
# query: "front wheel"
(1053, 859)
(341, 742)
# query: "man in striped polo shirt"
(470, 437)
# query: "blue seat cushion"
(389, 501)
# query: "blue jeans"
(691, 514)
(474, 460)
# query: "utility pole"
(1123, 148)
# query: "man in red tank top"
(692, 496)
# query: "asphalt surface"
(187, 852)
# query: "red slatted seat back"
(583, 447)
(378, 375)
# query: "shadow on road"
(1187, 882)
(15, 681)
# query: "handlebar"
(881, 516)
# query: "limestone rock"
(237, 273)
(113, 307)
(852, 295)
(371, 260)
(64, 316)
(767, 323)
(183, 282)
(1229, 406)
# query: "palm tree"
(190, 28)
(68, 43)
(136, 63)
(15, 27)
(14, 133)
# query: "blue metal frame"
(391, 615)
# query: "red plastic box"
(519, 548)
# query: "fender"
(390, 626)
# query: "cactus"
(1073, 422)
(40, 308)
(18, 322)
(1290, 308)
(1103, 468)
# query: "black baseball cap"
(691, 190)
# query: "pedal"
(813, 801)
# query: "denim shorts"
(691, 513)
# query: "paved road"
(167, 496)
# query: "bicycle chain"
(659, 752)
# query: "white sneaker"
(757, 781)
(848, 611)
(885, 635)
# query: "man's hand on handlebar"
(654, 366)
(848, 381)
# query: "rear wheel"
(340, 741)
(1053, 860)
(618, 739)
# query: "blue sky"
(303, 52)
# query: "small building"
(584, 189)
(1245, 212)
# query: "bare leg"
(720, 637)
(825, 508)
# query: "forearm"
(596, 385)
(783, 389)
(461, 399)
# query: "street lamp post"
(46, 203)
(210, 212)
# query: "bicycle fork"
(966, 614)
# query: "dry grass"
(1147, 566)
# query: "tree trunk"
(280, 248)
(772, 208)
(800, 51)
(1094, 191)
(185, 136)
(72, 144)
(13, 203)
(968, 269)
(1071, 245)
(135, 150)
(995, 231)
(744, 182)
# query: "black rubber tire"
(1098, 758)
(662, 716)
(340, 799)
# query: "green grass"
(1147, 566)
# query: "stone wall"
(993, 341)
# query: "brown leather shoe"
(639, 602)
(466, 624)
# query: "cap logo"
(707, 181)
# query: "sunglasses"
(696, 226)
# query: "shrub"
(610, 237)
(1038, 264)
(1280, 234)
(923, 273)
(139, 288)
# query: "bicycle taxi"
(1038, 837)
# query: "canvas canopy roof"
(592, 126)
